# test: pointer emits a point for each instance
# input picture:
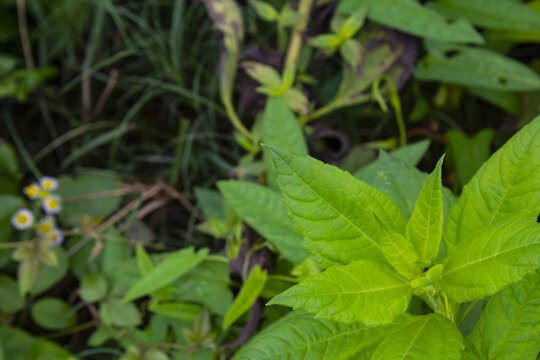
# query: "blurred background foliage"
(139, 107)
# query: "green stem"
(236, 121)
(295, 45)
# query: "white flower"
(32, 191)
(56, 236)
(23, 219)
(45, 226)
(52, 204)
(48, 183)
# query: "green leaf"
(263, 74)
(398, 251)
(118, 313)
(300, 336)
(501, 14)
(50, 275)
(175, 265)
(478, 67)
(10, 300)
(469, 153)
(492, 258)
(53, 314)
(249, 292)
(425, 226)
(506, 100)
(263, 209)
(210, 202)
(429, 337)
(144, 263)
(264, 10)
(280, 128)
(93, 288)
(363, 291)
(506, 185)
(208, 284)
(18, 345)
(401, 182)
(427, 23)
(9, 165)
(508, 327)
(91, 193)
(323, 202)
(177, 310)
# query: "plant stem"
(236, 121)
(295, 45)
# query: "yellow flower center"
(31, 191)
(43, 194)
(22, 219)
(47, 184)
(52, 203)
(45, 228)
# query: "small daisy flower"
(52, 204)
(43, 194)
(56, 236)
(48, 183)
(23, 219)
(32, 191)
(45, 226)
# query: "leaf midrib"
(330, 205)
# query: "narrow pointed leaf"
(398, 251)
(175, 265)
(429, 337)
(509, 327)
(400, 181)
(425, 226)
(492, 259)
(246, 297)
(507, 184)
(280, 128)
(329, 205)
(300, 336)
(263, 209)
(363, 291)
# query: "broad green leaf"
(177, 310)
(401, 182)
(300, 336)
(92, 193)
(263, 209)
(412, 153)
(499, 14)
(398, 251)
(175, 265)
(10, 300)
(424, 229)
(280, 128)
(428, 337)
(118, 313)
(330, 206)
(509, 327)
(427, 23)
(363, 291)
(144, 263)
(469, 153)
(211, 203)
(93, 287)
(249, 292)
(50, 275)
(503, 187)
(478, 67)
(506, 100)
(18, 345)
(492, 258)
(53, 314)
(208, 284)
(9, 165)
